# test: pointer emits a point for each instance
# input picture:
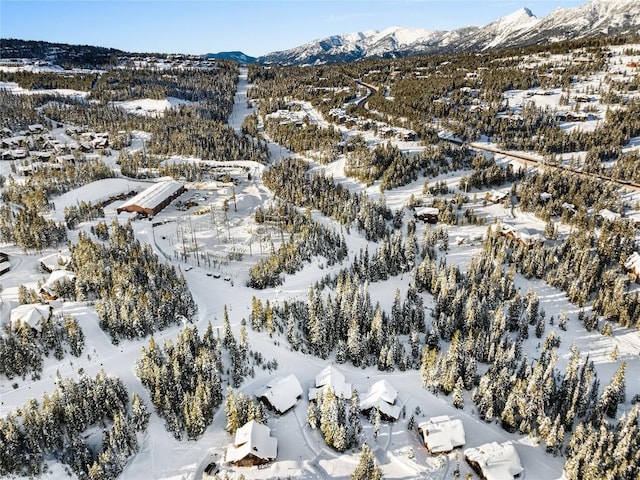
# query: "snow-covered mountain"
(521, 27)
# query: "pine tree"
(614, 393)
(367, 468)
(458, 397)
(139, 413)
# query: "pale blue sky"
(254, 27)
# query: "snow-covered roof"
(56, 260)
(31, 314)
(633, 262)
(498, 461)
(383, 396)
(331, 378)
(427, 211)
(282, 393)
(496, 196)
(528, 235)
(57, 276)
(442, 434)
(154, 195)
(608, 214)
(253, 438)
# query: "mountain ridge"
(518, 28)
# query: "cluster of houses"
(254, 445)
(36, 147)
(341, 117)
(525, 236)
(33, 314)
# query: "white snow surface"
(151, 107)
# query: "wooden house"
(253, 445)
(494, 461)
(281, 394)
(442, 434)
(381, 396)
(331, 378)
(428, 214)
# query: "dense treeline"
(22, 347)
(214, 86)
(586, 266)
(305, 137)
(36, 191)
(353, 327)
(20, 111)
(487, 174)
(30, 230)
(67, 55)
(292, 182)
(307, 239)
(57, 426)
(187, 130)
(82, 212)
(184, 379)
(605, 450)
(572, 196)
(50, 80)
(338, 419)
(136, 294)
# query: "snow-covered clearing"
(151, 107)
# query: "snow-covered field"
(149, 106)
(301, 451)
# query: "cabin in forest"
(494, 461)
(55, 261)
(152, 200)
(281, 394)
(253, 445)
(48, 290)
(382, 396)
(495, 196)
(428, 214)
(30, 314)
(331, 378)
(442, 434)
